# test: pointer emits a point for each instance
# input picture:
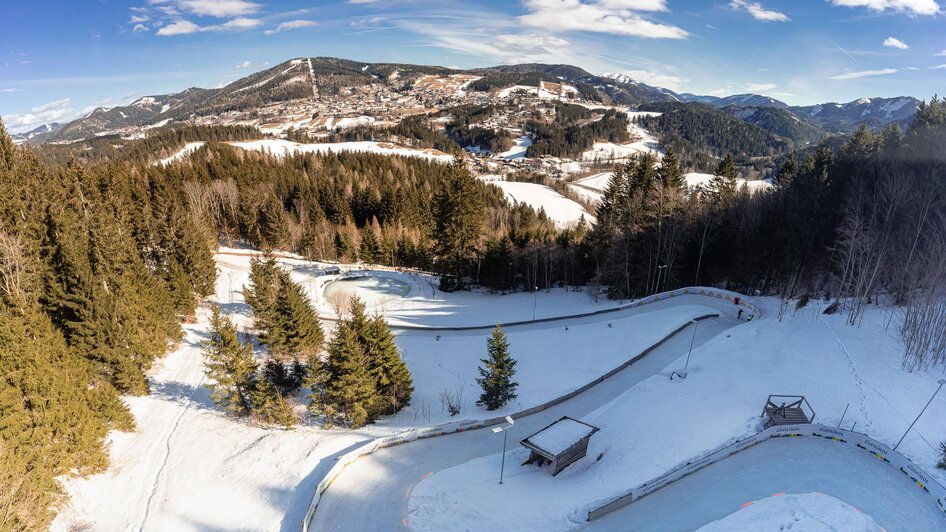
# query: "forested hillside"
(700, 133)
(98, 265)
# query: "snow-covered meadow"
(281, 147)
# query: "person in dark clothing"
(739, 316)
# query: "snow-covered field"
(660, 424)
(697, 180)
(563, 211)
(518, 151)
(283, 147)
(645, 143)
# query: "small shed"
(560, 444)
(331, 270)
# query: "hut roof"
(556, 438)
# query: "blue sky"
(61, 58)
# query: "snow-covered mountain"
(297, 92)
(875, 112)
(37, 133)
(740, 100)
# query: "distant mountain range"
(42, 130)
(320, 77)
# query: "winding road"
(373, 492)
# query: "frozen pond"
(369, 288)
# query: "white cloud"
(211, 8)
(758, 12)
(41, 114)
(938, 67)
(759, 87)
(10, 89)
(244, 64)
(657, 79)
(139, 27)
(180, 27)
(235, 24)
(893, 42)
(601, 16)
(865, 73)
(291, 25)
(135, 19)
(912, 7)
(940, 54)
(183, 27)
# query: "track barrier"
(461, 426)
(855, 440)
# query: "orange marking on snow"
(746, 504)
(427, 474)
(779, 494)
(404, 522)
(856, 509)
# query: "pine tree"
(723, 185)
(342, 389)
(392, 379)
(270, 407)
(261, 294)
(497, 372)
(229, 365)
(369, 250)
(295, 331)
(460, 214)
(669, 173)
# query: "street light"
(683, 374)
(660, 270)
(941, 383)
(535, 300)
(504, 430)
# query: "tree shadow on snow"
(302, 493)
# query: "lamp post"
(660, 270)
(941, 383)
(683, 374)
(504, 430)
(535, 300)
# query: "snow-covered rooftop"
(559, 436)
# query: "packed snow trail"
(782, 465)
(382, 482)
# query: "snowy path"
(383, 481)
(782, 465)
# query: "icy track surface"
(782, 465)
(802, 511)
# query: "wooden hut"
(560, 444)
